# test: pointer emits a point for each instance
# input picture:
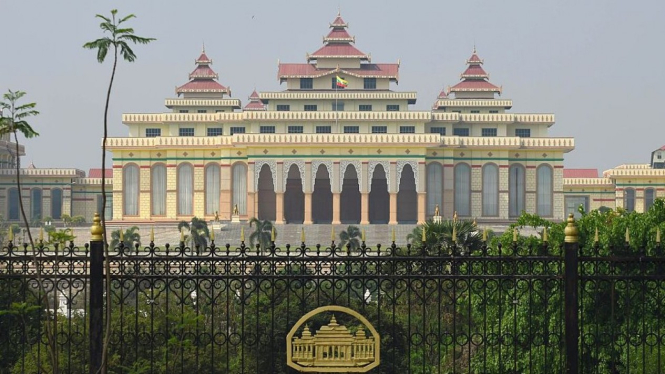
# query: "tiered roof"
(580, 173)
(254, 102)
(203, 79)
(338, 43)
(474, 78)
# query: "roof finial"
(203, 50)
(339, 10)
(474, 48)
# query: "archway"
(407, 198)
(294, 198)
(379, 199)
(350, 197)
(322, 197)
(434, 188)
(267, 197)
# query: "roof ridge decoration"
(337, 44)
(255, 103)
(475, 78)
(203, 78)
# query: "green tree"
(129, 236)
(351, 237)
(262, 233)
(198, 232)
(61, 236)
(440, 234)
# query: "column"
(393, 209)
(308, 208)
(251, 192)
(364, 208)
(225, 196)
(422, 196)
(448, 207)
(335, 189)
(279, 209)
(336, 208)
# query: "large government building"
(338, 145)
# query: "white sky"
(598, 65)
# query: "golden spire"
(545, 234)
(11, 234)
(658, 235)
(454, 233)
(272, 234)
(302, 234)
(41, 234)
(212, 234)
(182, 235)
(571, 231)
(122, 235)
(595, 236)
(627, 235)
(393, 235)
(332, 234)
(242, 233)
(515, 235)
(362, 237)
(424, 239)
(96, 230)
(485, 235)
(152, 234)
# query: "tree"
(262, 233)
(130, 236)
(198, 232)
(61, 236)
(440, 234)
(351, 237)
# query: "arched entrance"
(350, 196)
(407, 198)
(379, 199)
(322, 197)
(294, 198)
(267, 197)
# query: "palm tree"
(129, 237)
(198, 232)
(262, 234)
(351, 237)
(441, 234)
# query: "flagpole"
(336, 106)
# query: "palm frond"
(108, 27)
(126, 18)
(136, 39)
(106, 19)
(101, 45)
(120, 32)
(126, 52)
(24, 128)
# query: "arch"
(316, 166)
(544, 191)
(56, 203)
(185, 187)
(36, 204)
(266, 194)
(407, 197)
(294, 198)
(239, 187)
(629, 199)
(288, 164)
(434, 187)
(350, 202)
(322, 195)
(130, 189)
(379, 198)
(490, 190)
(516, 189)
(386, 171)
(343, 165)
(212, 188)
(158, 189)
(13, 204)
(462, 175)
(649, 198)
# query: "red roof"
(97, 173)
(474, 58)
(203, 58)
(339, 22)
(338, 50)
(476, 70)
(474, 85)
(254, 95)
(443, 95)
(203, 71)
(201, 86)
(254, 102)
(338, 34)
(580, 173)
(310, 70)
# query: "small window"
(323, 129)
(660, 156)
(338, 106)
(306, 83)
(183, 111)
(379, 129)
(457, 111)
(461, 131)
(438, 130)
(219, 111)
(494, 111)
(392, 108)
(267, 129)
(407, 129)
(523, 133)
(283, 107)
(369, 83)
(238, 130)
(215, 131)
(295, 129)
(151, 133)
(489, 132)
(475, 111)
(310, 107)
(202, 111)
(365, 107)
(186, 131)
(351, 129)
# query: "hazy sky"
(598, 65)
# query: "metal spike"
(485, 235)
(454, 233)
(515, 235)
(302, 235)
(152, 234)
(658, 235)
(424, 236)
(122, 235)
(627, 235)
(545, 235)
(363, 235)
(595, 236)
(393, 236)
(332, 234)
(242, 233)
(272, 234)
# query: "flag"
(341, 82)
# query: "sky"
(596, 64)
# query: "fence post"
(96, 298)
(571, 247)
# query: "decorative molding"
(258, 165)
(315, 166)
(370, 173)
(342, 169)
(301, 168)
(400, 167)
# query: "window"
(295, 129)
(573, 203)
(516, 190)
(457, 111)
(475, 111)
(239, 185)
(438, 130)
(407, 129)
(323, 129)
(283, 107)
(490, 190)
(201, 111)
(629, 199)
(392, 108)
(158, 189)
(351, 129)
(494, 111)
(434, 187)
(267, 129)
(544, 191)
(365, 107)
(212, 188)
(369, 83)
(151, 133)
(461, 131)
(489, 132)
(130, 189)
(649, 197)
(186, 131)
(183, 111)
(306, 83)
(36, 204)
(215, 131)
(13, 209)
(463, 190)
(238, 130)
(338, 106)
(523, 133)
(310, 108)
(56, 203)
(185, 189)
(379, 129)
(219, 111)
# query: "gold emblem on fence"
(333, 348)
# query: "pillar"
(364, 208)
(308, 208)
(393, 209)
(422, 198)
(251, 211)
(279, 209)
(336, 209)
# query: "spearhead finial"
(122, 235)
(332, 234)
(627, 235)
(272, 234)
(152, 234)
(515, 235)
(10, 236)
(454, 233)
(362, 236)
(96, 230)
(571, 231)
(182, 235)
(393, 235)
(242, 234)
(424, 236)
(544, 234)
(658, 235)
(41, 234)
(485, 235)
(595, 236)
(212, 234)
(302, 235)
